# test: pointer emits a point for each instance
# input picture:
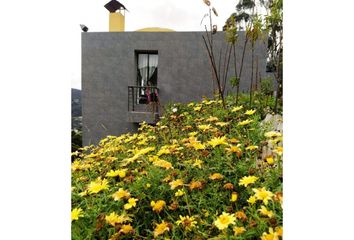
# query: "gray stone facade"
(109, 66)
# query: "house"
(117, 67)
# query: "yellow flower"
(212, 119)
(233, 140)
(197, 163)
(138, 153)
(239, 230)
(125, 229)
(224, 220)
(120, 173)
(120, 194)
(279, 231)
(278, 150)
(234, 149)
(161, 228)
(250, 112)
(217, 141)
(195, 185)
(187, 222)
(153, 158)
(131, 203)
(163, 151)
(142, 142)
(206, 102)
(270, 236)
(197, 108)
(245, 122)
(76, 165)
(197, 145)
(246, 180)
(190, 104)
(228, 186)
(233, 197)
(158, 206)
(265, 212)
(241, 215)
(97, 186)
(216, 176)
(145, 150)
(176, 183)
(204, 127)
(76, 213)
(252, 200)
(235, 109)
(270, 160)
(83, 194)
(163, 164)
(272, 134)
(148, 185)
(179, 193)
(192, 134)
(279, 198)
(113, 219)
(263, 195)
(251, 147)
(222, 124)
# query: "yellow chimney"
(116, 16)
(116, 22)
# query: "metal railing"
(138, 96)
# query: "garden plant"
(203, 172)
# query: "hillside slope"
(203, 172)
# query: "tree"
(274, 27)
(248, 16)
(219, 71)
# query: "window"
(147, 65)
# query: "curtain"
(143, 68)
(143, 61)
(153, 61)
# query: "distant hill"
(76, 112)
(76, 103)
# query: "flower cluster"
(202, 171)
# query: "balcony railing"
(140, 97)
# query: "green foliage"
(76, 140)
(234, 81)
(209, 149)
(267, 86)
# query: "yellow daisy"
(97, 186)
(263, 195)
(224, 220)
(176, 183)
(131, 203)
(250, 112)
(120, 194)
(161, 228)
(245, 122)
(158, 206)
(265, 212)
(235, 109)
(217, 141)
(246, 180)
(239, 230)
(187, 222)
(76, 213)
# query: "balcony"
(143, 104)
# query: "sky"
(179, 15)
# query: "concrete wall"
(184, 73)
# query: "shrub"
(200, 173)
